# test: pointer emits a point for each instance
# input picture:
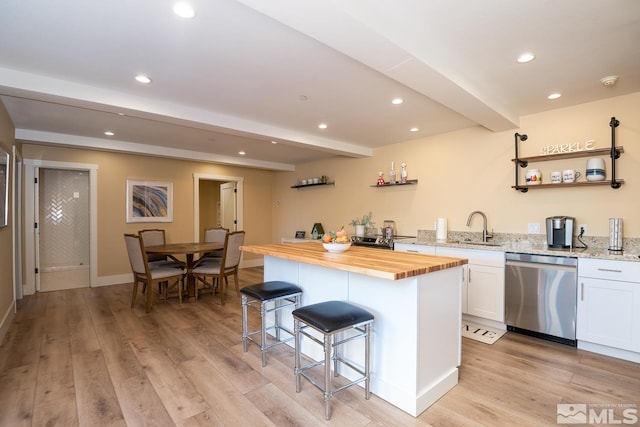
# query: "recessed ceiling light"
(414, 129)
(274, 142)
(143, 79)
(526, 57)
(242, 153)
(555, 95)
(397, 101)
(109, 133)
(322, 126)
(184, 10)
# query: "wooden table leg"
(191, 282)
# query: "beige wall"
(115, 169)
(6, 241)
(458, 172)
(469, 170)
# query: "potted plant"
(360, 223)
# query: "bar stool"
(268, 292)
(330, 318)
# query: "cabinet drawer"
(475, 256)
(415, 248)
(625, 271)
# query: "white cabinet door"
(485, 292)
(483, 282)
(609, 313)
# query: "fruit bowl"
(336, 248)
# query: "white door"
(63, 229)
(228, 202)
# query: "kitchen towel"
(441, 229)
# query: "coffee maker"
(560, 231)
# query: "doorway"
(63, 231)
(218, 202)
(61, 246)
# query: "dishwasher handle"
(541, 265)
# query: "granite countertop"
(535, 244)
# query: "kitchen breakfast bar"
(415, 343)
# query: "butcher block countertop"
(385, 264)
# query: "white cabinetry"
(609, 307)
(415, 248)
(482, 282)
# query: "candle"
(391, 165)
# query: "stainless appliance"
(560, 231)
(379, 242)
(389, 229)
(541, 296)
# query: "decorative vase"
(359, 230)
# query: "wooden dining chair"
(215, 235)
(143, 273)
(218, 270)
(153, 237)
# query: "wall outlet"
(533, 228)
(582, 227)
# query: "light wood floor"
(83, 357)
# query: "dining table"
(188, 250)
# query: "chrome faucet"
(485, 235)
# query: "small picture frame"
(149, 201)
(300, 234)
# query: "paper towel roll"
(441, 229)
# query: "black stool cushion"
(270, 290)
(332, 316)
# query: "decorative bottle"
(403, 173)
(380, 178)
(392, 175)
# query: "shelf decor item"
(403, 173)
(362, 223)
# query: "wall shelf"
(567, 184)
(313, 185)
(398, 183)
(613, 152)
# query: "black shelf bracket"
(519, 162)
(615, 154)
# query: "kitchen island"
(415, 343)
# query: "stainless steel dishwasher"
(541, 296)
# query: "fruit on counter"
(336, 237)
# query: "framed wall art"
(149, 201)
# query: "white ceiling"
(231, 78)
